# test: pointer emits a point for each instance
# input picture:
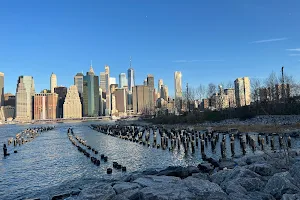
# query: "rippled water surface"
(50, 163)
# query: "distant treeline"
(290, 107)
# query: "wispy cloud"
(268, 40)
(295, 54)
(297, 49)
(191, 61)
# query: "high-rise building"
(90, 94)
(145, 82)
(78, 81)
(112, 80)
(9, 100)
(150, 81)
(141, 99)
(24, 98)
(45, 105)
(72, 105)
(164, 92)
(1, 89)
(101, 111)
(122, 80)
(231, 97)
(131, 78)
(121, 100)
(160, 83)
(242, 91)
(107, 84)
(53, 82)
(178, 85)
(61, 92)
(102, 81)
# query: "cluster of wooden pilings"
(90, 152)
(225, 144)
(24, 137)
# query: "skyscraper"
(142, 99)
(178, 86)
(107, 84)
(112, 80)
(131, 78)
(122, 80)
(160, 83)
(24, 97)
(90, 94)
(45, 105)
(61, 92)
(53, 82)
(78, 81)
(72, 105)
(164, 92)
(102, 81)
(150, 81)
(121, 102)
(242, 91)
(1, 89)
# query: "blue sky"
(208, 41)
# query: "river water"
(50, 164)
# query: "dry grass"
(255, 128)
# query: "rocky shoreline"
(264, 176)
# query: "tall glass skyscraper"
(1, 89)
(131, 79)
(122, 80)
(90, 94)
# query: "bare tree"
(200, 92)
(211, 89)
(255, 87)
(270, 83)
(230, 85)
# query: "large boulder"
(149, 181)
(123, 187)
(178, 171)
(132, 194)
(232, 187)
(291, 196)
(103, 192)
(263, 169)
(295, 173)
(205, 167)
(281, 184)
(251, 196)
(249, 184)
(202, 188)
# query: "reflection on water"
(50, 163)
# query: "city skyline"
(203, 46)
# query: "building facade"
(90, 94)
(24, 98)
(122, 80)
(53, 82)
(164, 92)
(9, 100)
(142, 99)
(131, 79)
(78, 81)
(160, 83)
(242, 91)
(72, 105)
(107, 84)
(121, 100)
(102, 81)
(178, 84)
(1, 89)
(61, 92)
(45, 106)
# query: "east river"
(50, 163)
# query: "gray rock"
(260, 196)
(232, 187)
(227, 164)
(255, 159)
(122, 187)
(291, 196)
(169, 191)
(178, 171)
(249, 184)
(295, 173)
(263, 169)
(120, 197)
(205, 167)
(280, 184)
(149, 181)
(201, 176)
(219, 176)
(238, 196)
(202, 188)
(103, 192)
(132, 194)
